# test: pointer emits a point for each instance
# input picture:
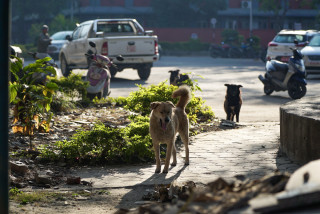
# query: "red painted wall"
(112, 3)
(121, 3)
(208, 35)
(235, 3)
(142, 3)
(300, 4)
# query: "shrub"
(130, 144)
(139, 101)
(72, 86)
(191, 45)
(105, 145)
(30, 98)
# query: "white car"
(58, 40)
(279, 47)
(312, 55)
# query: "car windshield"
(61, 35)
(289, 38)
(315, 41)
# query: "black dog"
(233, 101)
(176, 78)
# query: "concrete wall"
(300, 129)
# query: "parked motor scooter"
(98, 74)
(221, 50)
(289, 76)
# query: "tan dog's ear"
(169, 102)
(154, 105)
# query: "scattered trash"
(218, 196)
(302, 190)
(228, 123)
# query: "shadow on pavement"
(139, 190)
(125, 83)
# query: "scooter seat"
(280, 66)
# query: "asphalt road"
(212, 74)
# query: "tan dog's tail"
(184, 93)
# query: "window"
(289, 38)
(76, 33)
(114, 28)
(85, 31)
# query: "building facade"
(246, 16)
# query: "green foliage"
(138, 140)
(25, 198)
(71, 86)
(230, 36)
(255, 42)
(14, 191)
(105, 144)
(139, 101)
(191, 45)
(131, 144)
(59, 23)
(31, 99)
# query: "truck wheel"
(65, 70)
(113, 72)
(106, 92)
(144, 72)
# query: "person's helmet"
(45, 27)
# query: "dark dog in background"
(176, 78)
(233, 101)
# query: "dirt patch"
(33, 175)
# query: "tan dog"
(166, 120)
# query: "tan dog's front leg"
(157, 154)
(168, 156)
(174, 155)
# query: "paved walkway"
(251, 151)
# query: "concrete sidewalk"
(251, 151)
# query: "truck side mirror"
(68, 37)
(92, 44)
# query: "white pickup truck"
(113, 37)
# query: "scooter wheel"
(268, 89)
(296, 90)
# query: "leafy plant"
(72, 86)
(105, 144)
(191, 45)
(133, 143)
(139, 101)
(31, 99)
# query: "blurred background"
(181, 25)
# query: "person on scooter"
(43, 42)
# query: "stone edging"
(300, 129)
